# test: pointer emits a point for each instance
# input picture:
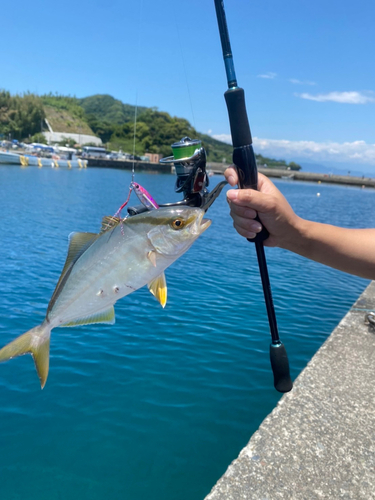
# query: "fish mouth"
(203, 224)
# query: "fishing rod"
(245, 162)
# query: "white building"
(53, 137)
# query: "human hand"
(269, 204)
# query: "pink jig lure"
(144, 197)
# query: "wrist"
(297, 237)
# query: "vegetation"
(22, 117)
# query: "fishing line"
(141, 193)
(184, 68)
(137, 86)
(134, 135)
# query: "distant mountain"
(336, 169)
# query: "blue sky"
(307, 67)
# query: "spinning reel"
(189, 159)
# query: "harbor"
(69, 159)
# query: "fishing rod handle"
(280, 368)
(239, 122)
(243, 153)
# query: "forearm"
(349, 250)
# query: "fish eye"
(178, 224)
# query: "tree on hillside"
(20, 116)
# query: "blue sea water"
(157, 405)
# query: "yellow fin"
(106, 316)
(35, 342)
(108, 222)
(158, 288)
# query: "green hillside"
(22, 118)
(106, 108)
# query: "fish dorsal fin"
(78, 243)
(108, 222)
(158, 288)
(106, 316)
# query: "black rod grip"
(280, 368)
(239, 123)
(245, 161)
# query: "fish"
(103, 267)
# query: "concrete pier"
(319, 442)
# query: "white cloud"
(268, 75)
(341, 97)
(357, 151)
(301, 82)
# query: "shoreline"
(219, 168)
(298, 175)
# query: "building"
(154, 157)
(53, 137)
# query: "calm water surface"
(157, 405)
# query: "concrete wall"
(53, 137)
(319, 442)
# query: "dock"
(319, 441)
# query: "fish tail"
(35, 342)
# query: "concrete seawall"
(348, 180)
(218, 168)
(144, 166)
(319, 441)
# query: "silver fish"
(101, 268)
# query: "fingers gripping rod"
(244, 159)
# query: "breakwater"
(144, 166)
(295, 175)
(219, 168)
(347, 180)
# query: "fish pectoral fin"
(158, 288)
(36, 342)
(106, 316)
